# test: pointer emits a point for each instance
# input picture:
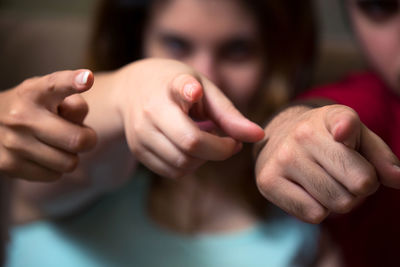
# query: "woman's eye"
(237, 51)
(176, 47)
(379, 10)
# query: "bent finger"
(321, 186)
(344, 125)
(168, 152)
(62, 134)
(381, 157)
(187, 136)
(222, 111)
(29, 148)
(347, 166)
(74, 109)
(292, 198)
(27, 170)
(158, 165)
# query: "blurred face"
(377, 25)
(218, 38)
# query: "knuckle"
(78, 141)
(315, 215)
(265, 180)
(308, 212)
(303, 132)
(16, 116)
(11, 141)
(70, 164)
(344, 205)
(352, 115)
(27, 85)
(51, 81)
(81, 104)
(148, 111)
(364, 183)
(190, 142)
(349, 115)
(348, 110)
(286, 155)
(137, 129)
(264, 185)
(182, 162)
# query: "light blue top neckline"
(118, 232)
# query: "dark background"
(42, 36)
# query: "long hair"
(288, 33)
(287, 28)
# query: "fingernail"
(188, 90)
(82, 78)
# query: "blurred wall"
(42, 36)
(339, 53)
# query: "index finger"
(222, 111)
(187, 136)
(381, 157)
(50, 90)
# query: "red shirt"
(369, 235)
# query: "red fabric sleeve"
(365, 93)
(369, 235)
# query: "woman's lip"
(207, 126)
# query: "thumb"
(378, 153)
(344, 125)
(186, 90)
(222, 111)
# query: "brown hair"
(287, 29)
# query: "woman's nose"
(206, 64)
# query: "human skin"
(136, 107)
(377, 28)
(231, 58)
(324, 159)
(144, 115)
(36, 143)
(220, 40)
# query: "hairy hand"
(322, 160)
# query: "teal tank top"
(117, 232)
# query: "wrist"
(278, 122)
(118, 97)
(283, 118)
